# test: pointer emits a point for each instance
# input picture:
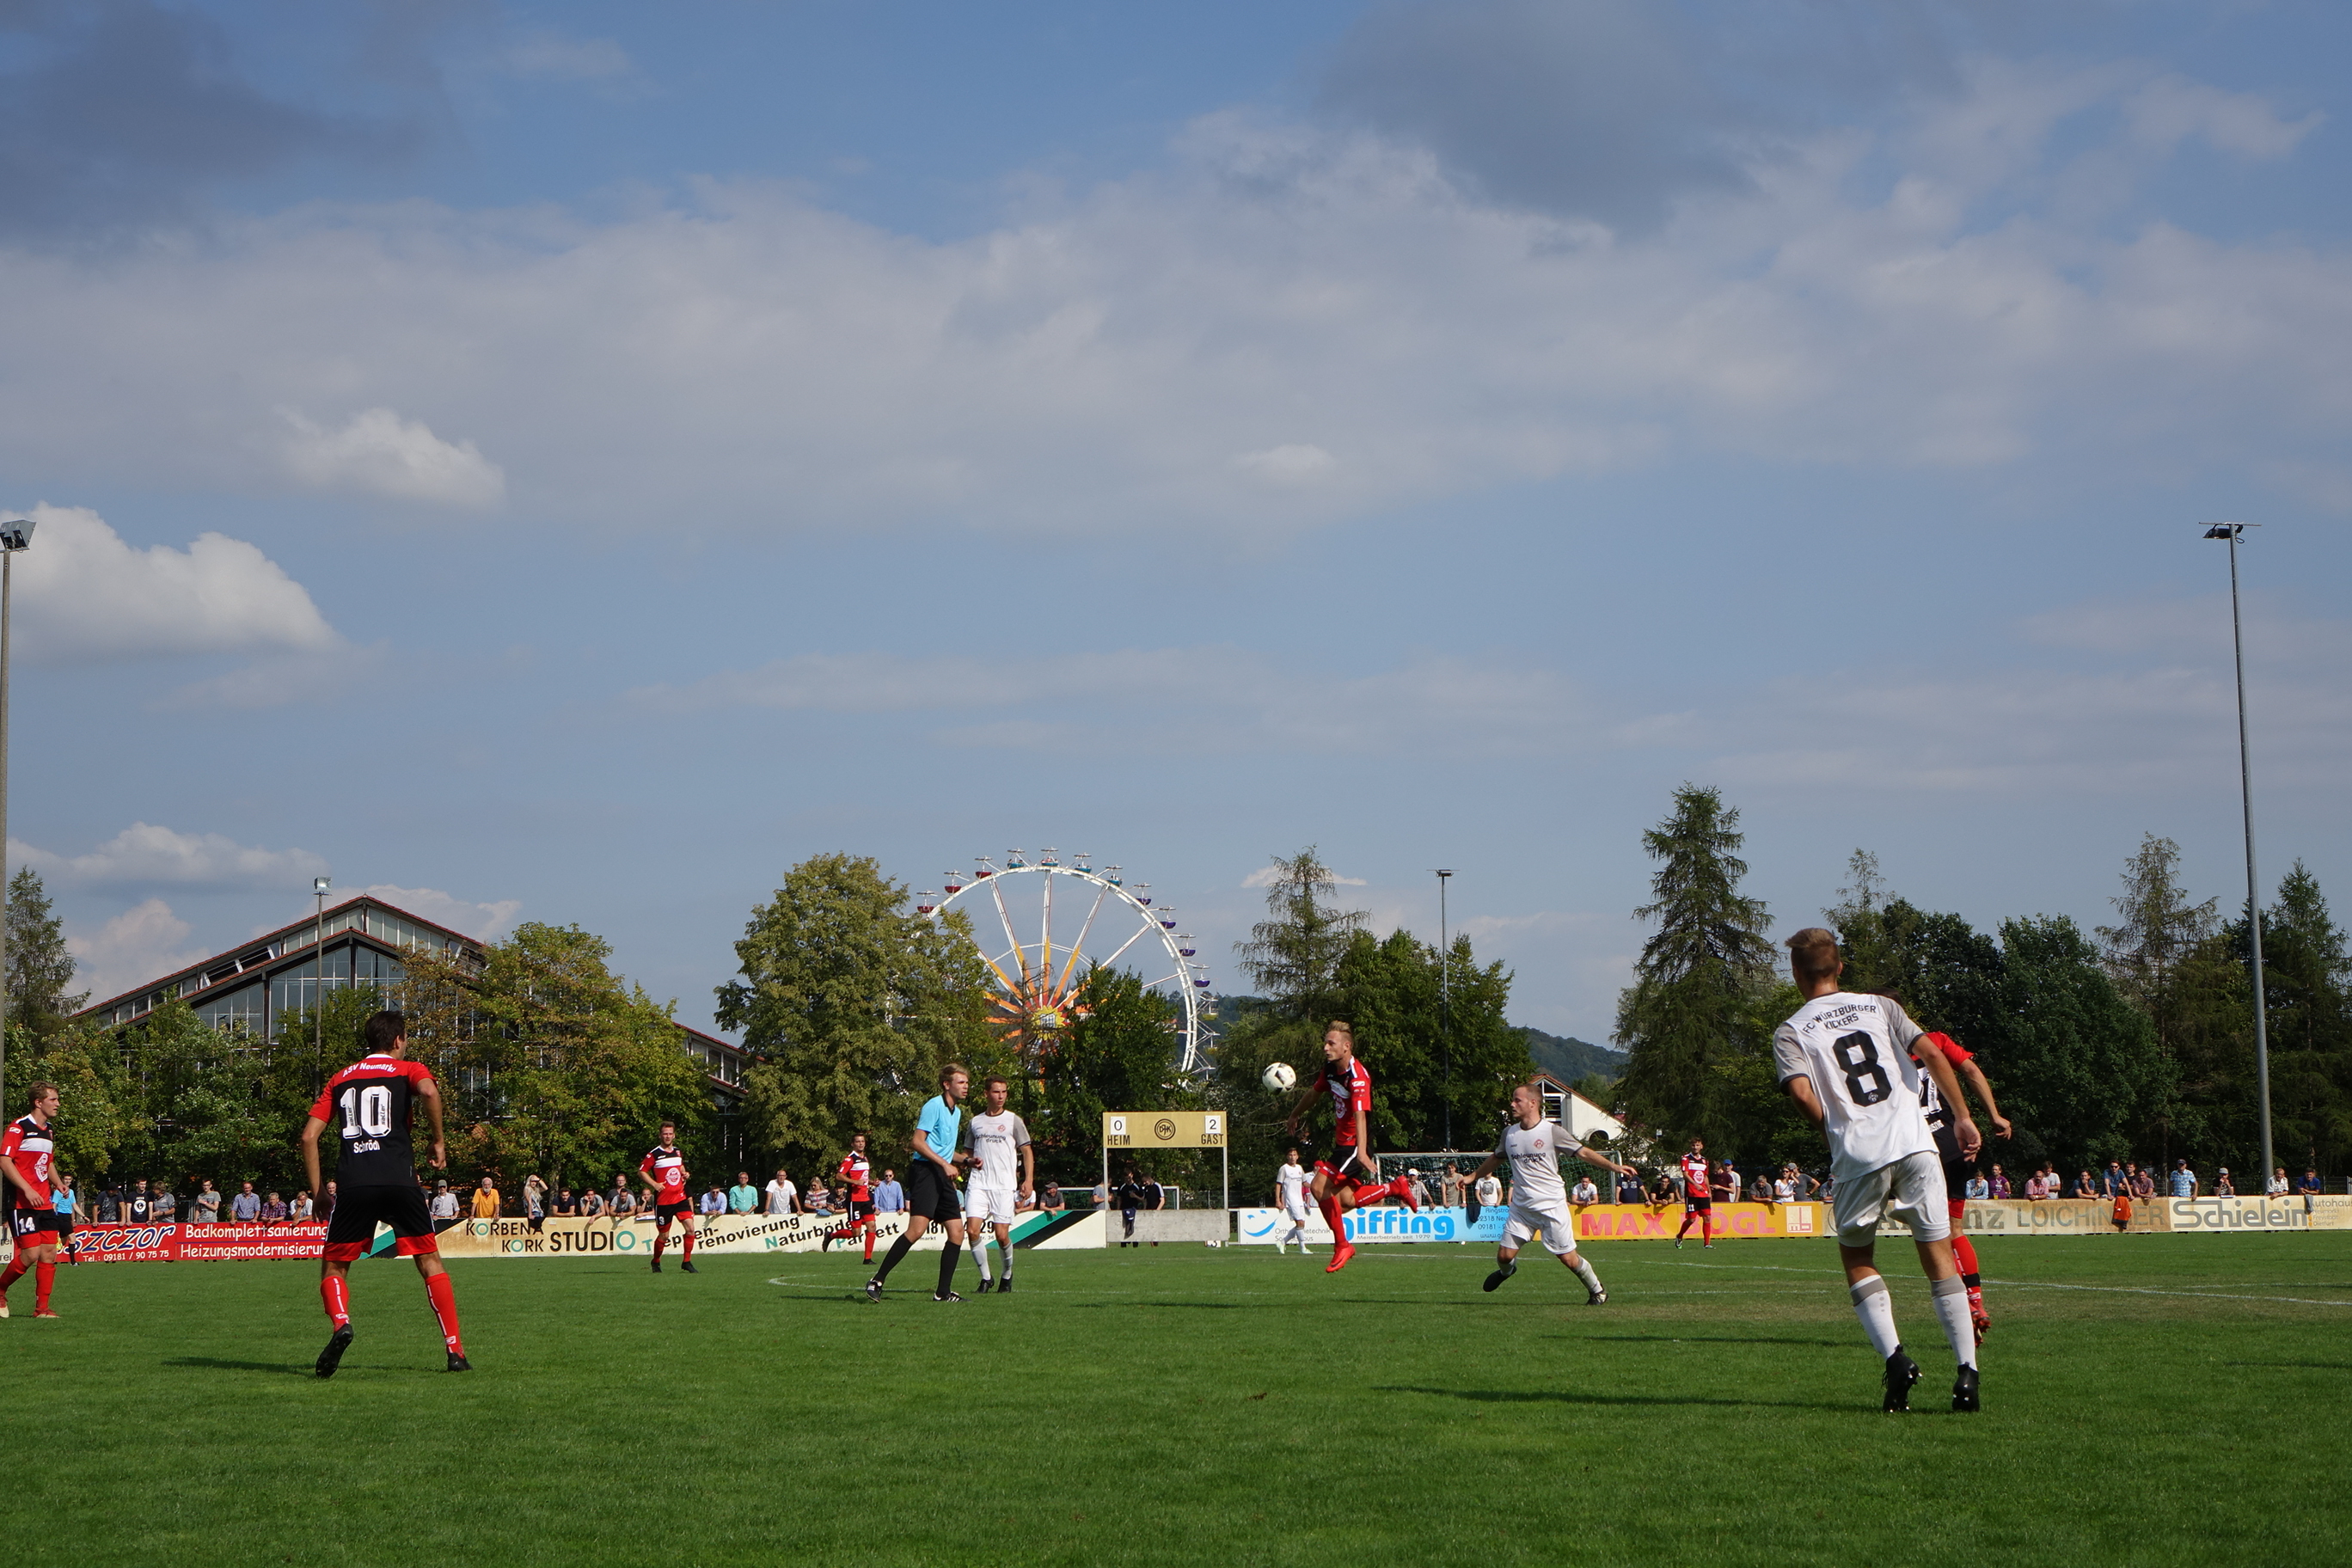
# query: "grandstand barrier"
(1157, 1226)
(2230, 1216)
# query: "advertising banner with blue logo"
(1388, 1222)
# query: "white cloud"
(145, 855)
(1291, 324)
(82, 593)
(380, 453)
(139, 944)
(1214, 699)
(1263, 877)
(485, 923)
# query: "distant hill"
(1569, 1059)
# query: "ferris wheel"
(1041, 965)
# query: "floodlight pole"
(2233, 532)
(1445, 1009)
(15, 535)
(318, 886)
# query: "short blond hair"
(1341, 1027)
(1813, 954)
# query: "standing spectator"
(205, 1208)
(1784, 1191)
(327, 1209)
(2121, 1212)
(2276, 1187)
(1101, 1195)
(592, 1204)
(2144, 1187)
(816, 1200)
(1050, 1200)
(2000, 1183)
(1489, 1190)
(273, 1210)
(2222, 1184)
(566, 1205)
(66, 1202)
(1977, 1187)
(2184, 1180)
(1758, 1191)
(166, 1208)
(444, 1202)
(889, 1197)
(2036, 1189)
(534, 1201)
(2086, 1185)
(743, 1197)
(486, 1200)
(620, 1202)
(246, 1207)
(782, 1196)
(2113, 1181)
(1723, 1185)
(301, 1209)
(2311, 1187)
(1584, 1191)
(1131, 1201)
(1452, 1188)
(109, 1204)
(1420, 1191)
(714, 1201)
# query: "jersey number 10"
(369, 1109)
(1866, 1082)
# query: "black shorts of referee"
(930, 1194)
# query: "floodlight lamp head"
(17, 533)
(320, 884)
(2221, 530)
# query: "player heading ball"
(1845, 1058)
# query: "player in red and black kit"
(1958, 1168)
(1698, 1197)
(370, 1104)
(1350, 1177)
(27, 1159)
(664, 1170)
(858, 1171)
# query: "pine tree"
(1293, 956)
(39, 967)
(1689, 1009)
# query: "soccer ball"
(1279, 1077)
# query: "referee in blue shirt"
(931, 1184)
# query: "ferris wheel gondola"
(1039, 982)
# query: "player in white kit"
(1004, 1168)
(1290, 1196)
(1538, 1197)
(1845, 1058)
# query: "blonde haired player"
(1539, 1208)
(1338, 1186)
(1845, 1058)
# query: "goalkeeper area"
(2149, 1399)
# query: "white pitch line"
(2048, 1285)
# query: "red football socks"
(869, 1241)
(43, 1276)
(1964, 1253)
(14, 1272)
(686, 1246)
(444, 1308)
(1332, 1215)
(660, 1242)
(336, 1291)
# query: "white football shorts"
(1910, 1190)
(1553, 1227)
(991, 1206)
(1294, 1209)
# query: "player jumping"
(375, 1179)
(27, 1156)
(1699, 1198)
(1338, 1188)
(1533, 1145)
(662, 1170)
(858, 1174)
(1845, 1058)
(1960, 1167)
(1290, 1197)
(931, 1185)
(999, 1141)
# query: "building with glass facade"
(360, 942)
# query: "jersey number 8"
(1866, 1082)
(368, 1110)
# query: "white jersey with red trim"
(1856, 1050)
(667, 1167)
(1534, 1154)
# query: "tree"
(1391, 991)
(1293, 955)
(1119, 1056)
(39, 967)
(548, 1062)
(2305, 972)
(1688, 1009)
(856, 1002)
(100, 1115)
(2078, 1068)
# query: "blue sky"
(572, 462)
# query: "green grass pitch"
(2149, 1400)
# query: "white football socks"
(1876, 1311)
(1584, 1272)
(1951, 1297)
(978, 1245)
